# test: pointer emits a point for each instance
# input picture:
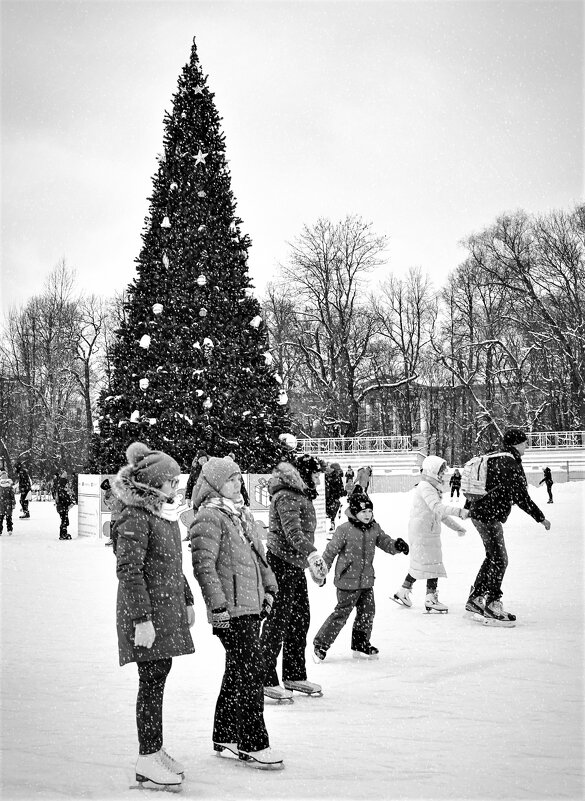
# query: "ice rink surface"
(451, 710)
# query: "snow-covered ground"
(451, 710)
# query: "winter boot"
(172, 764)
(150, 768)
(364, 651)
(432, 603)
(319, 653)
(265, 759)
(278, 693)
(402, 596)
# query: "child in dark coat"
(7, 501)
(63, 502)
(354, 544)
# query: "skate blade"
(366, 657)
(432, 611)
(250, 762)
(142, 783)
(399, 602)
(282, 701)
(309, 693)
(488, 621)
(224, 752)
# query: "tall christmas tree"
(191, 367)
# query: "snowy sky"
(426, 118)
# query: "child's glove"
(191, 616)
(267, 605)
(461, 532)
(144, 634)
(401, 546)
(318, 568)
(220, 618)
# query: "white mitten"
(144, 634)
(317, 567)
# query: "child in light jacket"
(424, 534)
(354, 544)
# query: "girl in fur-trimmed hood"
(154, 609)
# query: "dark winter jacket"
(548, 479)
(63, 499)
(24, 482)
(229, 561)
(354, 543)
(151, 583)
(292, 519)
(455, 480)
(505, 486)
(334, 491)
(7, 498)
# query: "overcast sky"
(426, 118)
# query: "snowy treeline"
(503, 341)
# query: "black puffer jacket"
(150, 575)
(506, 485)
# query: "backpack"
(474, 474)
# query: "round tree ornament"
(157, 308)
(145, 342)
(201, 280)
(203, 312)
(143, 383)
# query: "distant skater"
(548, 480)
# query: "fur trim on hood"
(286, 476)
(131, 493)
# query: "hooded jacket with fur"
(151, 585)
(355, 544)
(292, 519)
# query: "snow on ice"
(451, 710)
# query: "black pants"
(24, 503)
(347, 600)
(8, 516)
(239, 711)
(454, 489)
(549, 490)
(491, 573)
(63, 535)
(287, 625)
(432, 583)
(149, 702)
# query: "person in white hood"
(424, 534)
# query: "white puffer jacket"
(424, 525)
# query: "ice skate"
(279, 694)
(433, 605)
(475, 603)
(402, 596)
(319, 654)
(305, 687)
(364, 651)
(172, 764)
(265, 759)
(495, 612)
(150, 768)
(226, 749)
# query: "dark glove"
(266, 606)
(401, 546)
(220, 618)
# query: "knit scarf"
(170, 511)
(241, 517)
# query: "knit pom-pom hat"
(151, 467)
(359, 500)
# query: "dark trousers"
(24, 503)
(347, 600)
(239, 711)
(287, 625)
(549, 490)
(454, 489)
(64, 524)
(8, 516)
(149, 703)
(491, 573)
(432, 583)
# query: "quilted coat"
(151, 583)
(292, 519)
(424, 529)
(355, 545)
(229, 561)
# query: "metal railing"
(355, 444)
(556, 439)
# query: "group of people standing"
(8, 497)
(257, 598)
